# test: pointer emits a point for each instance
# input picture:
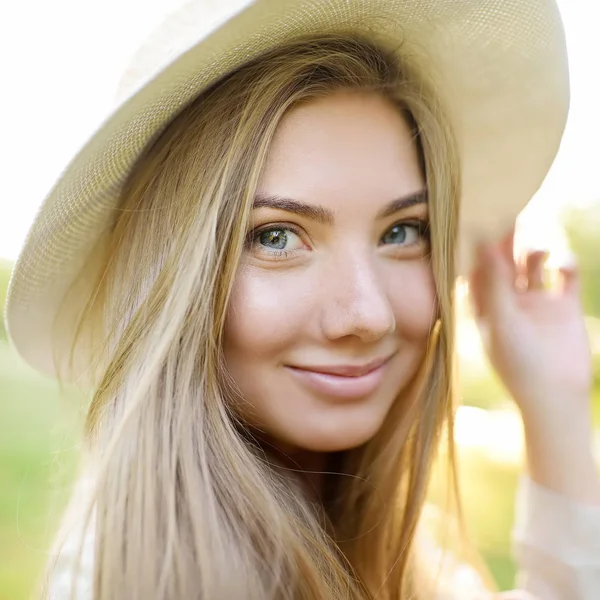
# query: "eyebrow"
(324, 215)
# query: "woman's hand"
(535, 336)
(536, 340)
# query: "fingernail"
(569, 260)
(564, 259)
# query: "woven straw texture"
(500, 68)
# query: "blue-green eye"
(275, 239)
(404, 234)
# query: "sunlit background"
(60, 63)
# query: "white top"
(556, 543)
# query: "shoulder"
(73, 567)
(443, 575)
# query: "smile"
(345, 382)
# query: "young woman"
(252, 267)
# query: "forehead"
(345, 147)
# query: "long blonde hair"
(182, 503)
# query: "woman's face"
(334, 299)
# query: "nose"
(355, 302)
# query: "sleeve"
(438, 571)
(556, 543)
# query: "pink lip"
(342, 381)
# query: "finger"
(515, 595)
(475, 292)
(476, 279)
(534, 269)
(507, 248)
(568, 278)
(495, 280)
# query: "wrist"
(550, 414)
(560, 457)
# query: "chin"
(338, 439)
(329, 446)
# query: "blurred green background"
(39, 433)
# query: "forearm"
(557, 519)
(560, 457)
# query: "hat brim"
(500, 68)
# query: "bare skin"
(333, 304)
(537, 342)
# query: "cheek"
(413, 298)
(264, 315)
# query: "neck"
(312, 469)
(307, 467)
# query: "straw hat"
(500, 68)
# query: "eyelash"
(422, 226)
